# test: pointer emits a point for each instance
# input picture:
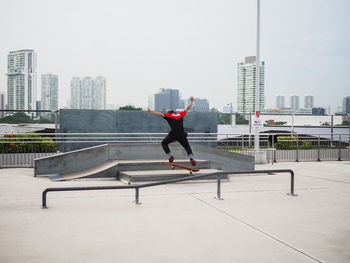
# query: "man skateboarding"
(177, 132)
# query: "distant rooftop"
(250, 59)
(22, 50)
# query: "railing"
(294, 147)
(20, 149)
(137, 187)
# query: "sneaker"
(171, 159)
(193, 162)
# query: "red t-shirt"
(175, 121)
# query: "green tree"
(223, 118)
(129, 107)
(240, 120)
(345, 123)
(280, 123)
(21, 117)
(18, 117)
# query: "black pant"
(181, 138)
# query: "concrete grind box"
(115, 121)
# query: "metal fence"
(20, 149)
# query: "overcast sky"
(140, 46)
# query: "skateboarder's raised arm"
(156, 113)
(189, 105)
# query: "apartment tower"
(246, 84)
(21, 80)
(49, 92)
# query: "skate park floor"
(183, 222)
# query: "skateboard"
(190, 169)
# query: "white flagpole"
(257, 78)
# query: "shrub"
(306, 145)
(27, 143)
(286, 142)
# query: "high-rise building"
(327, 109)
(49, 93)
(99, 93)
(294, 103)
(346, 105)
(75, 93)
(280, 101)
(201, 105)
(181, 103)
(318, 111)
(21, 80)
(86, 90)
(2, 104)
(88, 93)
(161, 101)
(308, 101)
(164, 99)
(246, 85)
(38, 107)
(174, 98)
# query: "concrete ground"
(256, 221)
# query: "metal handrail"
(165, 133)
(137, 187)
(59, 137)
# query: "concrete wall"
(73, 161)
(90, 157)
(223, 160)
(115, 121)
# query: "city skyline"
(309, 101)
(196, 54)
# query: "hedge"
(12, 143)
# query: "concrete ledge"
(223, 160)
(260, 156)
(160, 175)
(73, 161)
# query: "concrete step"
(160, 175)
(141, 165)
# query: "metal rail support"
(319, 149)
(292, 183)
(297, 151)
(137, 196)
(339, 148)
(137, 187)
(218, 192)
